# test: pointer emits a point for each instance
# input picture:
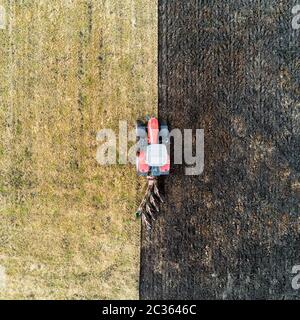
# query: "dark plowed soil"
(231, 68)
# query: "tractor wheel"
(164, 133)
(141, 132)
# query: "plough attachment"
(149, 207)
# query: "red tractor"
(153, 158)
(152, 161)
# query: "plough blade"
(149, 206)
